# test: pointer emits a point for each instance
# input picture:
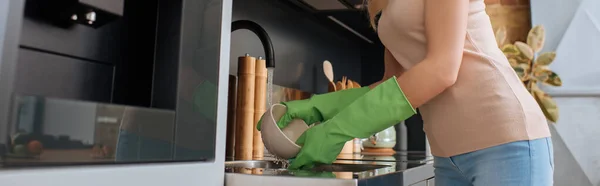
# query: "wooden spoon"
(350, 85)
(339, 86)
(356, 85)
(328, 70)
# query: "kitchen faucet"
(262, 35)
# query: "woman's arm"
(392, 67)
(445, 24)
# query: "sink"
(336, 167)
(251, 164)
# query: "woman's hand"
(318, 108)
(374, 111)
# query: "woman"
(441, 56)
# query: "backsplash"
(301, 44)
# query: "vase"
(384, 139)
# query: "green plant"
(531, 67)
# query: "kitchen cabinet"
(347, 15)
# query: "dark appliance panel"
(139, 88)
(40, 73)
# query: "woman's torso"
(487, 106)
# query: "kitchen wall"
(372, 62)
(514, 15)
(573, 31)
(301, 45)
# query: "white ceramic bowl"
(281, 142)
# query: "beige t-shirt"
(487, 106)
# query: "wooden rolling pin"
(260, 101)
(244, 120)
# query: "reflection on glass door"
(64, 132)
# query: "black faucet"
(262, 35)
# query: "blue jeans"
(521, 163)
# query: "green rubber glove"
(313, 174)
(319, 107)
(378, 109)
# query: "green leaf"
(526, 67)
(547, 104)
(553, 79)
(523, 71)
(525, 50)
(513, 62)
(546, 76)
(536, 37)
(545, 58)
(541, 73)
(522, 60)
(510, 50)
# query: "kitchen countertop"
(403, 168)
